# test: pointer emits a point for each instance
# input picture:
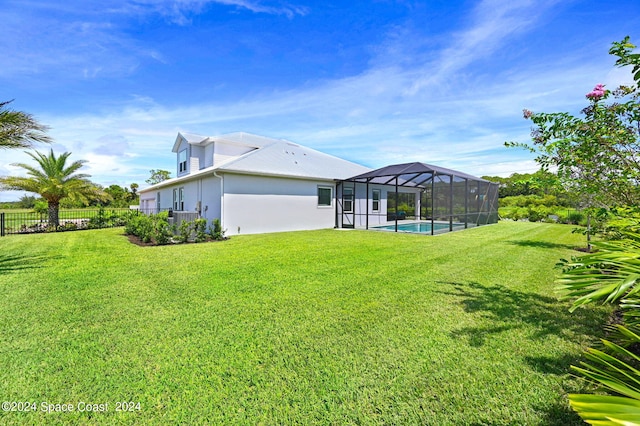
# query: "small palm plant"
(609, 275)
(616, 370)
(54, 180)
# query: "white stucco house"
(252, 184)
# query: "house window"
(347, 200)
(325, 196)
(182, 161)
(376, 200)
(158, 202)
(175, 199)
(181, 199)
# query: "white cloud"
(405, 107)
(180, 12)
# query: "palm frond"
(608, 275)
(606, 409)
(616, 369)
(19, 129)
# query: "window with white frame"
(375, 200)
(182, 161)
(158, 201)
(347, 199)
(181, 199)
(325, 196)
(175, 199)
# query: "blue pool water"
(418, 227)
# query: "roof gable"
(237, 138)
(190, 138)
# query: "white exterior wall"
(260, 204)
(202, 193)
(209, 196)
(361, 209)
(208, 156)
(360, 206)
(196, 159)
(375, 218)
(147, 202)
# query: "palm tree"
(54, 180)
(19, 129)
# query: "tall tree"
(597, 156)
(54, 180)
(158, 176)
(19, 129)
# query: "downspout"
(215, 173)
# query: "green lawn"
(323, 327)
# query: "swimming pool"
(416, 227)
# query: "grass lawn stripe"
(321, 327)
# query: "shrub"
(163, 232)
(200, 228)
(141, 226)
(216, 231)
(108, 219)
(68, 226)
(41, 207)
(100, 220)
(538, 213)
(575, 218)
(184, 231)
(517, 213)
(619, 221)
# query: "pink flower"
(527, 113)
(597, 92)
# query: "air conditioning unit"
(179, 217)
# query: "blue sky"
(375, 82)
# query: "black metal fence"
(22, 222)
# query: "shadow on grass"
(541, 244)
(560, 414)
(507, 309)
(553, 365)
(504, 309)
(16, 262)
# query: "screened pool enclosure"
(416, 197)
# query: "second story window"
(182, 161)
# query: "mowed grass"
(322, 327)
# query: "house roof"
(273, 157)
(286, 158)
(237, 138)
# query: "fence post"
(2, 224)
